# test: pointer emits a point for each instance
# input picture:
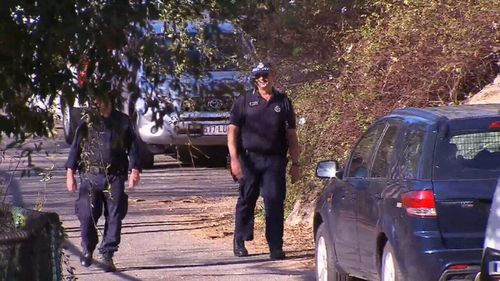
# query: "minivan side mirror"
(327, 169)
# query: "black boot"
(277, 254)
(239, 248)
(107, 262)
(86, 258)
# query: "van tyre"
(147, 158)
(326, 269)
(205, 156)
(390, 268)
(70, 118)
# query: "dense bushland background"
(346, 63)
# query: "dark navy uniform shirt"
(109, 143)
(263, 124)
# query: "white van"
(196, 110)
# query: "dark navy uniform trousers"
(98, 193)
(263, 174)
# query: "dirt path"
(179, 227)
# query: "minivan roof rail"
(450, 112)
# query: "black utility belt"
(103, 170)
(270, 153)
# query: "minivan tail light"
(419, 203)
(456, 267)
(495, 125)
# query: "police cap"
(261, 68)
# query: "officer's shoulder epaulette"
(285, 99)
(279, 93)
(82, 123)
(240, 97)
(120, 115)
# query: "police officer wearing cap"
(101, 151)
(261, 133)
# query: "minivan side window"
(412, 153)
(360, 157)
(384, 156)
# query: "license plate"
(215, 130)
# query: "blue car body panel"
(364, 213)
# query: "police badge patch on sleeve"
(277, 108)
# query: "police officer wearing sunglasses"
(261, 133)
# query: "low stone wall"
(31, 249)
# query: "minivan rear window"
(474, 155)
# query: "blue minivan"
(413, 199)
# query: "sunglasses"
(263, 75)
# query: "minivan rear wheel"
(326, 269)
(390, 269)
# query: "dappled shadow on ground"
(260, 261)
(73, 250)
(253, 261)
(308, 276)
(130, 228)
(184, 182)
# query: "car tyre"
(390, 268)
(326, 269)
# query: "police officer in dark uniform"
(261, 132)
(100, 152)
